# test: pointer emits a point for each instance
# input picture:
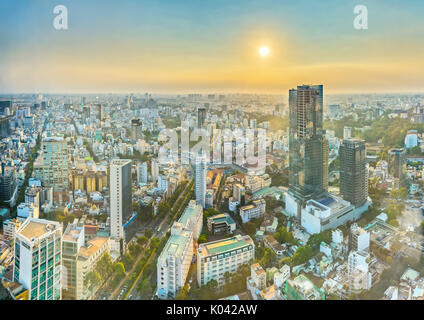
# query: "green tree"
(202, 238)
(92, 280)
(119, 269)
(269, 259)
(250, 228)
(302, 255)
(145, 288)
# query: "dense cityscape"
(202, 158)
(97, 205)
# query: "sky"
(184, 46)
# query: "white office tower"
(142, 173)
(155, 170)
(120, 202)
(347, 132)
(38, 259)
(174, 262)
(200, 180)
(359, 276)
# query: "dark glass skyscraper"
(353, 171)
(201, 117)
(308, 149)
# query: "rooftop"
(224, 245)
(92, 247)
(35, 228)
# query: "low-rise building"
(221, 224)
(216, 258)
(254, 210)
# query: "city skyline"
(168, 47)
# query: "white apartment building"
(192, 218)
(252, 211)
(216, 258)
(38, 258)
(359, 276)
(174, 262)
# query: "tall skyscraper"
(308, 148)
(136, 129)
(55, 163)
(142, 173)
(200, 180)
(122, 220)
(353, 171)
(38, 258)
(99, 108)
(397, 164)
(201, 117)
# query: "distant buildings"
(216, 258)
(38, 259)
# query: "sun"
(264, 51)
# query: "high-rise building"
(142, 173)
(174, 262)
(155, 170)
(201, 117)
(4, 126)
(200, 180)
(353, 171)
(8, 185)
(4, 105)
(397, 164)
(55, 163)
(308, 148)
(136, 129)
(38, 258)
(122, 219)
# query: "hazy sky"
(210, 46)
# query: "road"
(158, 233)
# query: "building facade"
(216, 258)
(38, 258)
